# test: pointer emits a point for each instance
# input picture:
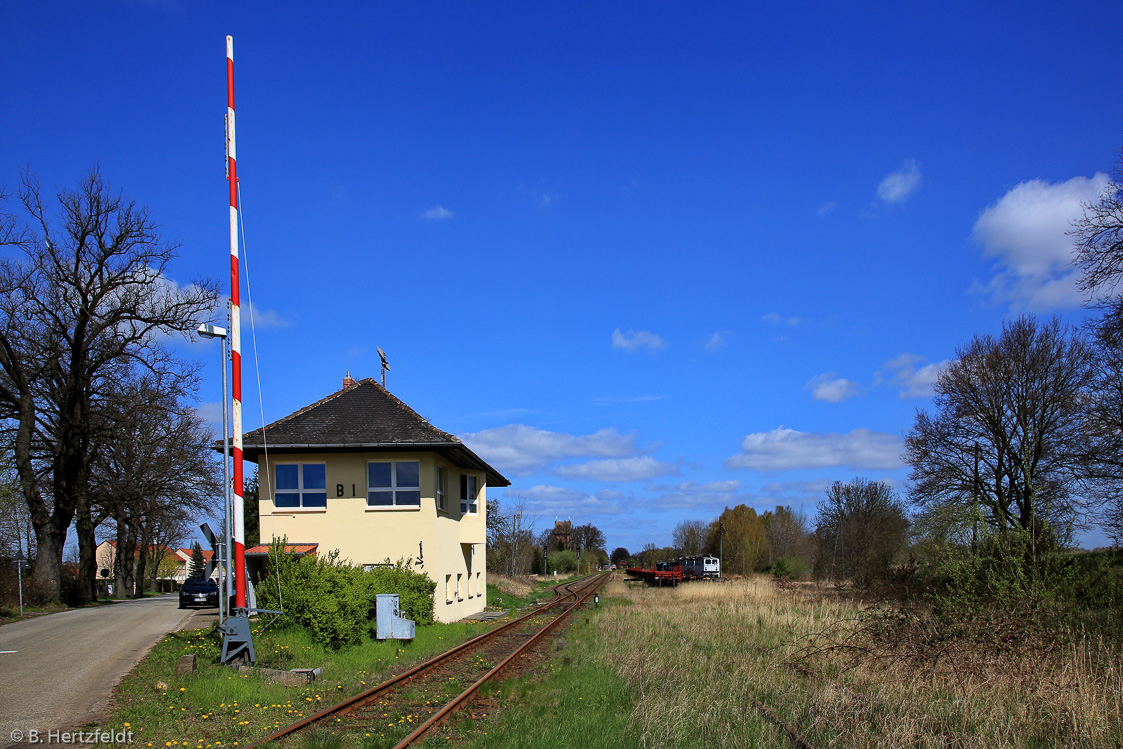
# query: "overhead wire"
(260, 400)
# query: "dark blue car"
(198, 591)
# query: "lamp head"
(211, 331)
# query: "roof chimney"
(348, 382)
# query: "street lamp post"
(214, 331)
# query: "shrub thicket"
(562, 561)
(335, 600)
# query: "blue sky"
(648, 259)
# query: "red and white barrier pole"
(235, 339)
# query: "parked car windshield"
(199, 584)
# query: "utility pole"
(975, 502)
(721, 547)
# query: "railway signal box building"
(363, 473)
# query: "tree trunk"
(87, 553)
(46, 572)
(142, 561)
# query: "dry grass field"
(701, 657)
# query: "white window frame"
(300, 489)
(441, 488)
(394, 488)
(469, 499)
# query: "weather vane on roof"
(385, 364)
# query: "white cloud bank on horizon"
(634, 340)
(1026, 232)
(899, 185)
(785, 449)
(520, 450)
(911, 375)
(831, 388)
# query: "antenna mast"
(235, 339)
(385, 365)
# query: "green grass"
(573, 701)
(218, 707)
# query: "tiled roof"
(262, 550)
(186, 553)
(363, 417)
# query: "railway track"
(422, 697)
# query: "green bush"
(336, 600)
(790, 567)
(562, 561)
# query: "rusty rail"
(464, 696)
(421, 668)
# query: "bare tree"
(861, 528)
(15, 521)
(1099, 254)
(587, 537)
(787, 533)
(153, 473)
(690, 537)
(1099, 238)
(1008, 438)
(1104, 464)
(78, 300)
(510, 537)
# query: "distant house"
(362, 473)
(168, 565)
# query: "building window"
(394, 484)
(448, 588)
(441, 489)
(469, 491)
(301, 485)
(459, 586)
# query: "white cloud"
(911, 374)
(250, 314)
(627, 399)
(547, 500)
(693, 494)
(638, 468)
(636, 340)
(1026, 232)
(817, 486)
(716, 341)
(827, 208)
(899, 185)
(831, 388)
(775, 318)
(520, 450)
(437, 213)
(785, 449)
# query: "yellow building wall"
(446, 545)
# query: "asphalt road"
(58, 671)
